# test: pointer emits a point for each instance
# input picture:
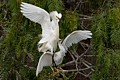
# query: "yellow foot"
(58, 70)
(58, 73)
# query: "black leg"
(54, 65)
(53, 61)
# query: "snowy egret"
(48, 22)
(74, 37)
(46, 59)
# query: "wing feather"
(45, 60)
(76, 37)
(38, 15)
(34, 13)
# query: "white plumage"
(50, 35)
(74, 37)
(46, 59)
(50, 29)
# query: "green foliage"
(18, 48)
(106, 28)
(68, 23)
(104, 4)
(114, 17)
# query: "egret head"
(55, 15)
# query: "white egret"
(46, 59)
(48, 22)
(74, 37)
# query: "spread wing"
(34, 13)
(76, 37)
(37, 15)
(45, 60)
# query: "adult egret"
(48, 22)
(46, 59)
(74, 37)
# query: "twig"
(84, 62)
(85, 52)
(89, 73)
(79, 4)
(76, 54)
(82, 24)
(32, 68)
(83, 74)
(71, 62)
(75, 57)
(89, 55)
(75, 70)
(87, 62)
(85, 16)
(5, 9)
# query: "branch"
(75, 70)
(79, 4)
(32, 68)
(85, 52)
(89, 55)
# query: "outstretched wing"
(75, 37)
(45, 60)
(37, 15)
(34, 13)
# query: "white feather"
(37, 15)
(76, 37)
(50, 29)
(34, 13)
(45, 60)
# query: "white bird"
(48, 22)
(46, 59)
(74, 37)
